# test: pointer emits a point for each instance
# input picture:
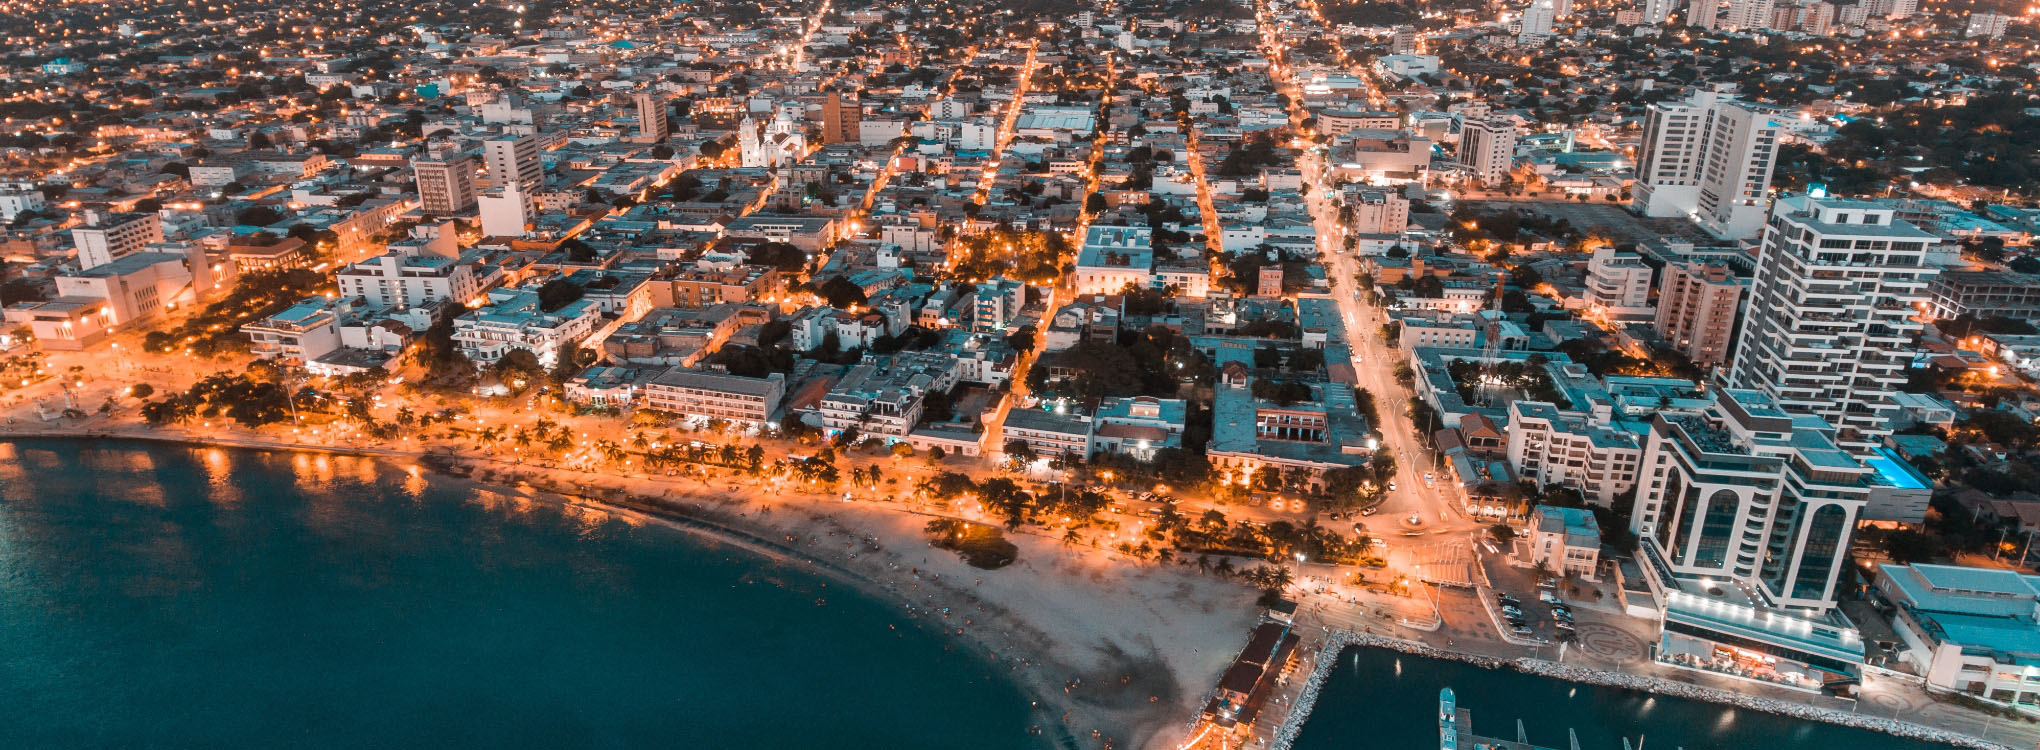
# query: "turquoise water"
(1382, 699)
(173, 597)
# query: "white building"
(1565, 541)
(506, 212)
(445, 186)
(1967, 630)
(1618, 285)
(1829, 327)
(1986, 24)
(407, 277)
(882, 396)
(1113, 257)
(16, 202)
(306, 331)
(1487, 147)
(651, 116)
(702, 395)
(1548, 446)
(514, 160)
(104, 238)
(1708, 158)
(1745, 492)
(513, 319)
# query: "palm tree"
(1070, 537)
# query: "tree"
(1503, 533)
(141, 390)
(842, 293)
(1022, 339)
(558, 293)
(258, 216)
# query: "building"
(1708, 158)
(1256, 439)
(842, 120)
(1550, 446)
(1618, 284)
(882, 396)
(306, 331)
(701, 395)
(514, 160)
(651, 116)
(1487, 148)
(409, 277)
(811, 233)
(1698, 303)
(1656, 12)
(17, 202)
(445, 186)
(1974, 631)
(135, 290)
(1986, 24)
(1047, 434)
(1985, 294)
(1138, 426)
(514, 319)
(702, 287)
(1113, 257)
(1536, 22)
(1338, 122)
(1379, 156)
(1378, 212)
(1829, 328)
(105, 238)
(506, 212)
(996, 304)
(1749, 493)
(1565, 541)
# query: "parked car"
(1547, 597)
(1520, 630)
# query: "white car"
(1547, 597)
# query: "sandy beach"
(1116, 652)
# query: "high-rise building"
(1405, 42)
(1618, 284)
(1697, 307)
(1537, 21)
(1739, 15)
(651, 116)
(1829, 327)
(1703, 13)
(1658, 11)
(105, 238)
(513, 160)
(1748, 494)
(506, 212)
(1986, 24)
(445, 186)
(1708, 158)
(1894, 9)
(841, 119)
(1487, 147)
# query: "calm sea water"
(172, 597)
(1382, 699)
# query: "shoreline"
(1024, 648)
(1340, 640)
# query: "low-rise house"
(1565, 541)
(700, 395)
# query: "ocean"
(1377, 698)
(166, 596)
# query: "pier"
(1455, 730)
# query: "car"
(1513, 614)
(1506, 599)
(1562, 626)
(1520, 630)
(1547, 597)
(1561, 610)
(1391, 486)
(1371, 510)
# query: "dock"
(1455, 730)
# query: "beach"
(1115, 651)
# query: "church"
(780, 144)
